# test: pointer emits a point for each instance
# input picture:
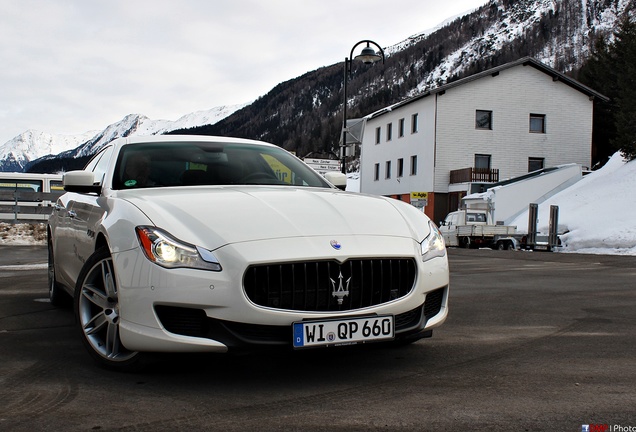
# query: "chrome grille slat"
(310, 286)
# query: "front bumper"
(185, 310)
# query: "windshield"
(209, 163)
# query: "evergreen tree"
(625, 48)
(599, 74)
(611, 70)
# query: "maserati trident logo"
(334, 244)
(342, 291)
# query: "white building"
(463, 136)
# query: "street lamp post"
(368, 55)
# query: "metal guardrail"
(25, 206)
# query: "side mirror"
(80, 182)
(337, 179)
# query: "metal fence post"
(553, 239)
(16, 209)
(533, 219)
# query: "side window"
(100, 166)
(90, 166)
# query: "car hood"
(212, 217)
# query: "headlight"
(166, 251)
(433, 245)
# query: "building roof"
(525, 61)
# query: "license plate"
(349, 331)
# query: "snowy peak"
(32, 144)
(21, 151)
(137, 124)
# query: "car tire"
(465, 242)
(96, 305)
(57, 296)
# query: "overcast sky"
(70, 66)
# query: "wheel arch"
(101, 241)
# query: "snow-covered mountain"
(23, 150)
(32, 144)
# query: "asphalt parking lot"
(534, 342)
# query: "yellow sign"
(419, 196)
(282, 172)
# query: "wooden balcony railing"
(470, 175)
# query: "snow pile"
(22, 234)
(596, 214)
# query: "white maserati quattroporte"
(209, 244)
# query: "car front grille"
(324, 286)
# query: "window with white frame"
(389, 131)
(414, 125)
(400, 168)
(376, 175)
(378, 134)
(388, 170)
(401, 128)
(414, 165)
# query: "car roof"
(186, 138)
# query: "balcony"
(474, 175)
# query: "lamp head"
(368, 55)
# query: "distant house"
(459, 138)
